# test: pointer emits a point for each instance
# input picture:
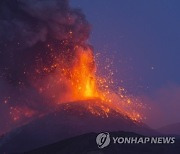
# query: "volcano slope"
(69, 120)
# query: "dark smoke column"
(33, 34)
(27, 27)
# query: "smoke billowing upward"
(33, 35)
(27, 27)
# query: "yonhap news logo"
(104, 139)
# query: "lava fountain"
(82, 83)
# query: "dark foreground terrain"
(69, 120)
(86, 144)
(64, 128)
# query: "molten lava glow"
(82, 76)
(85, 84)
(78, 81)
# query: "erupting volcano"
(82, 83)
(50, 69)
(47, 61)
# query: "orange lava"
(82, 76)
(85, 84)
(77, 80)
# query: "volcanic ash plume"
(28, 27)
(34, 35)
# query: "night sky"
(143, 39)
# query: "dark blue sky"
(144, 39)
